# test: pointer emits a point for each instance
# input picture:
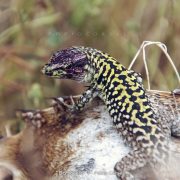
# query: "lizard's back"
(129, 106)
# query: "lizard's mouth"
(57, 73)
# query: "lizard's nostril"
(46, 70)
(48, 73)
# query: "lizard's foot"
(67, 102)
(133, 161)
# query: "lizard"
(126, 100)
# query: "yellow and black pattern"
(122, 91)
(125, 97)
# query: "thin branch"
(163, 47)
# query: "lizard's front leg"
(84, 99)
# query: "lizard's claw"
(70, 107)
(60, 101)
(72, 100)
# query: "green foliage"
(35, 94)
(82, 10)
(54, 38)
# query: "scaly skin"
(126, 100)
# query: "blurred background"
(30, 30)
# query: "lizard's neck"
(108, 73)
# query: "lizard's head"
(70, 63)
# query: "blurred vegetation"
(31, 30)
